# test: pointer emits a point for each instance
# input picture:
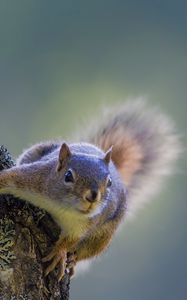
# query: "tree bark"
(26, 235)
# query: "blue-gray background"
(61, 60)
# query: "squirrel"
(91, 186)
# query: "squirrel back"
(145, 147)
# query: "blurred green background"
(59, 62)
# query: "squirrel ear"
(108, 155)
(63, 155)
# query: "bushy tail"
(145, 147)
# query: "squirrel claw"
(61, 272)
(48, 257)
(58, 257)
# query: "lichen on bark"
(26, 235)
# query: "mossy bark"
(26, 235)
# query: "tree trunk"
(26, 235)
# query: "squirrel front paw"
(58, 256)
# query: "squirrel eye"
(109, 182)
(68, 177)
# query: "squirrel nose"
(91, 195)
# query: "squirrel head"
(84, 175)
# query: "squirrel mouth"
(87, 210)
